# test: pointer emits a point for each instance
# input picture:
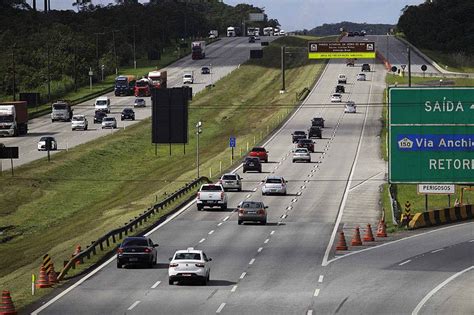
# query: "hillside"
(332, 29)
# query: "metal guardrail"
(133, 225)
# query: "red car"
(259, 152)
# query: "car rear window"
(187, 256)
(299, 133)
(135, 242)
(211, 188)
(305, 141)
(258, 150)
(252, 205)
(229, 177)
(274, 180)
(301, 151)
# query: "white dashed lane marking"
(272, 232)
(321, 277)
(157, 283)
(316, 292)
(220, 223)
(438, 250)
(405, 262)
(266, 241)
(243, 275)
(252, 261)
(133, 305)
(220, 308)
(211, 232)
(202, 240)
(226, 218)
(234, 288)
(260, 249)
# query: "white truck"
(198, 50)
(268, 31)
(211, 195)
(213, 34)
(13, 118)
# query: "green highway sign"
(431, 135)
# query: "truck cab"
(61, 110)
(13, 118)
(102, 104)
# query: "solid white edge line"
(346, 190)
(405, 262)
(437, 250)
(437, 288)
(321, 277)
(395, 241)
(133, 305)
(316, 292)
(157, 283)
(234, 288)
(220, 308)
(93, 272)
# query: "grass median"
(100, 185)
(405, 192)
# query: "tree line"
(61, 46)
(440, 25)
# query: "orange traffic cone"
(381, 229)
(341, 244)
(77, 252)
(7, 307)
(43, 279)
(356, 241)
(368, 236)
(52, 275)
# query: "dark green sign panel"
(431, 135)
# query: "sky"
(300, 14)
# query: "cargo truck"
(198, 50)
(159, 79)
(124, 85)
(61, 110)
(13, 118)
(143, 87)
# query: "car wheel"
(224, 207)
(264, 222)
(204, 281)
(199, 208)
(266, 160)
(244, 171)
(239, 222)
(170, 282)
(260, 170)
(119, 265)
(240, 189)
(293, 161)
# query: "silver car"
(361, 77)
(231, 181)
(139, 102)
(350, 107)
(109, 122)
(301, 154)
(274, 185)
(254, 211)
(79, 122)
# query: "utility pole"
(49, 75)
(198, 131)
(115, 52)
(75, 67)
(134, 49)
(14, 71)
(409, 66)
(283, 69)
(387, 53)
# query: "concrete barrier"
(441, 216)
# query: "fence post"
(220, 167)
(247, 146)
(210, 172)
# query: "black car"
(318, 122)
(252, 164)
(356, 33)
(350, 34)
(340, 89)
(205, 70)
(99, 116)
(137, 250)
(315, 132)
(251, 39)
(365, 67)
(297, 135)
(127, 113)
(306, 143)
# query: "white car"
(188, 78)
(341, 79)
(336, 98)
(79, 122)
(361, 77)
(274, 185)
(189, 264)
(42, 143)
(231, 181)
(103, 104)
(350, 107)
(301, 154)
(109, 122)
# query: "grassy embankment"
(409, 192)
(99, 186)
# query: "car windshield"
(139, 100)
(45, 138)
(101, 102)
(187, 256)
(299, 133)
(336, 95)
(211, 188)
(253, 160)
(127, 110)
(135, 242)
(59, 106)
(251, 204)
(274, 180)
(301, 151)
(258, 150)
(306, 141)
(229, 177)
(108, 119)
(141, 83)
(78, 118)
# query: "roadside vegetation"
(100, 185)
(404, 192)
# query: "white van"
(188, 77)
(102, 104)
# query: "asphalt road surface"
(222, 56)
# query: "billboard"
(332, 50)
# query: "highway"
(224, 56)
(289, 266)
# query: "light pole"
(210, 70)
(90, 78)
(14, 72)
(409, 66)
(134, 50)
(115, 52)
(198, 131)
(102, 69)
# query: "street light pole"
(283, 69)
(198, 131)
(134, 50)
(409, 66)
(14, 72)
(115, 52)
(49, 75)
